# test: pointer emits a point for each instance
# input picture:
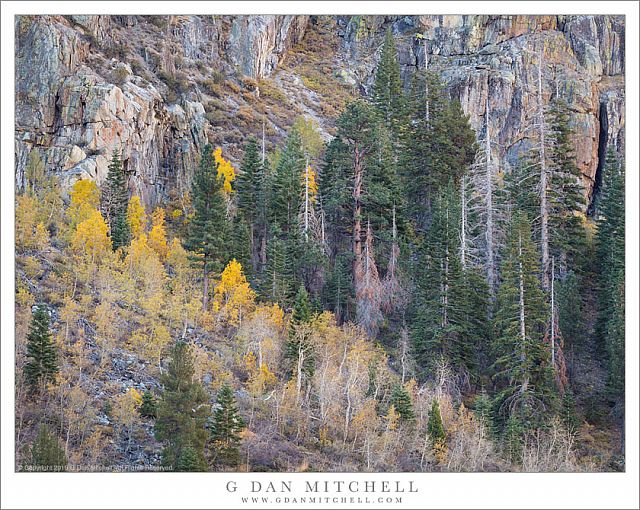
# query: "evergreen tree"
(284, 246)
(114, 202)
(610, 242)
(359, 185)
(401, 401)
(298, 352)
(189, 460)
(513, 438)
(522, 363)
(286, 185)
(227, 424)
(567, 236)
(570, 310)
(437, 147)
(182, 410)
(450, 302)
(387, 87)
(46, 452)
(148, 408)
(252, 190)
(435, 428)
(42, 364)
(568, 412)
(484, 411)
(207, 236)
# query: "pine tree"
(298, 352)
(251, 203)
(189, 460)
(387, 87)
(610, 240)
(522, 366)
(513, 438)
(568, 412)
(148, 408)
(567, 203)
(435, 428)
(484, 411)
(115, 201)
(46, 452)
(227, 424)
(42, 364)
(437, 147)
(570, 310)
(450, 303)
(359, 183)
(207, 236)
(182, 410)
(401, 401)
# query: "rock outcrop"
(90, 85)
(155, 87)
(494, 60)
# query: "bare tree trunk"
(426, 82)
(463, 222)
(358, 167)
(205, 288)
(544, 209)
(553, 315)
(491, 262)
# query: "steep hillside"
(159, 88)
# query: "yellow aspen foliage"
(125, 406)
(177, 255)
(392, 418)
(233, 296)
(136, 217)
(30, 233)
(263, 379)
(158, 234)
(225, 169)
(91, 237)
(85, 198)
(310, 183)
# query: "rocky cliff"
(158, 88)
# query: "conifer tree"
(435, 428)
(207, 232)
(436, 148)
(522, 366)
(251, 199)
(148, 408)
(359, 183)
(567, 236)
(610, 241)
(484, 411)
(450, 303)
(115, 201)
(189, 460)
(42, 364)
(401, 401)
(46, 452)
(182, 410)
(387, 87)
(570, 310)
(227, 424)
(298, 352)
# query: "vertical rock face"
(89, 85)
(78, 98)
(494, 60)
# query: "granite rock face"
(78, 99)
(494, 60)
(80, 94)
